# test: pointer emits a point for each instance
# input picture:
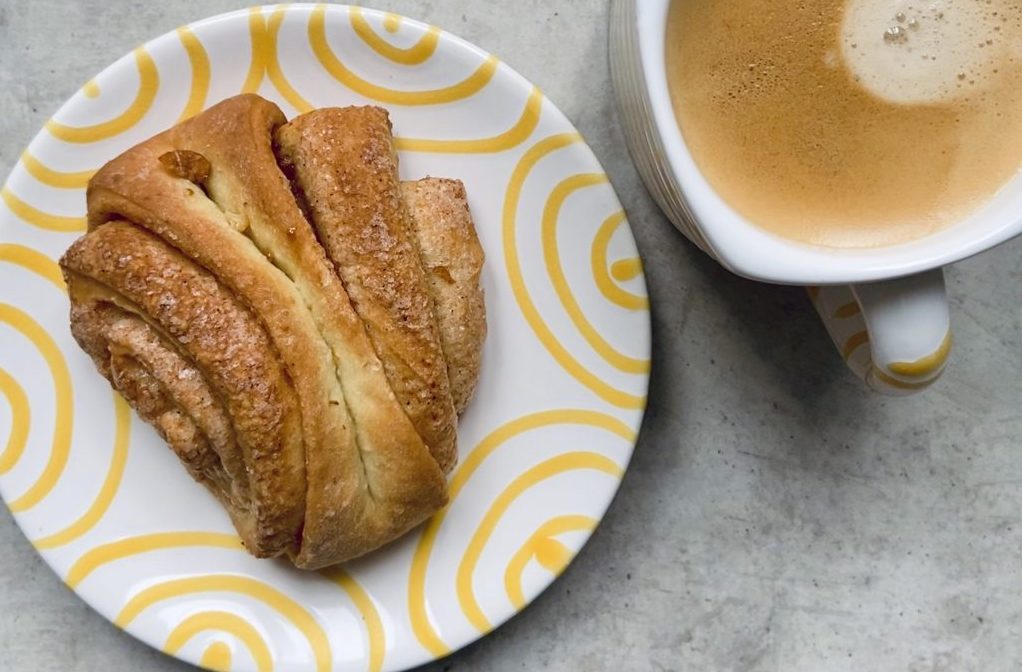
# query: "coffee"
(849, 123)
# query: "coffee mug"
(885, 308)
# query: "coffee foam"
(775, 118)
(923, 52)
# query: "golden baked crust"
(453, 260)
(343, 169)
(188, 355)
(202, 293)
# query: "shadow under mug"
(885, 308)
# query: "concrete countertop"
(776, 515)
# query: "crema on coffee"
(849, 123)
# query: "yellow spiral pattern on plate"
(294, 613)
(374, 626)
(419, 52)
(216, 657)
(146, 543)
(219, 657)
(342, 46)
(626, 269)
(538, 474)
(622, 269)
(339, 71)
(263, 31)
(554, 346)
(33, 261)
(39, 218)
(150, 543)
(43, 266)
(21, 415)
(423, 628)
(63, 402)
(54, 178)
(512, 137)
(107, 492)
(149, 78)
(148, 84)
(201, 74)
(546, 550)
(552, 257)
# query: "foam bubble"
(926, 51)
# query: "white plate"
(544, 444)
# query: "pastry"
(453, 260)
(343, 169)
(277, 305)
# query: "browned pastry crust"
(344, 171)
(453, 260)
(190, 356)
(203, 295)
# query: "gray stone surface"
(776, 516)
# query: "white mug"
(885, 308)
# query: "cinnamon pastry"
(299, 326)
(453, 260)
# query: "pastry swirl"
(302, 372)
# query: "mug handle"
(894, 334)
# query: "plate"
(543, 445)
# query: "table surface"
(776, 516)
